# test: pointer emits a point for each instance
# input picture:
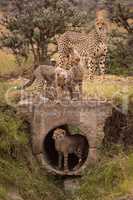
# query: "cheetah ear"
(64, 132)
(53, 136)
(57, 38)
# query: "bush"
(108, 180)
(19, 170)
(120, 54)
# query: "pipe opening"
(52, 155)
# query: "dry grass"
(112, 89)
(110, 179)
(9, 66)
(7, 63)
(108, 89)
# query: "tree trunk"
(44, 58)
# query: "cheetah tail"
(29, 82)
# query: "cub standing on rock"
(58, 80)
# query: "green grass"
(108, 89)
(113, 89)
(121, 71)
(7, 63)
(19, 170)
(108, 179)
(9, 66)
(32, 185)
(8, 93)
(3, 192)
(3, 88)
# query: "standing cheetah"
(67, 144)
(67, 80)
(90, 48)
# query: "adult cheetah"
(91, 48)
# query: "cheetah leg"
(91, 68)
(59, 94)
(81, 90)
(41, 82)
(60, 160)
(71, 89)
(39, 85)
(59, 90)
(50, 93)
(79, 160)
(71, 92)
(63, 61)
(47, 92)
(83, 62)
(102, 60)
(66, 162)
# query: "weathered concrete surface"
(89, 116)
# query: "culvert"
(51, 155)
(89, 116)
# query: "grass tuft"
(109, 179)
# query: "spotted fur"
(57, 80)
(66, 144)
(67, 80)
(44, 78)
(90, 48)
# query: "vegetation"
(109, 179)
(18, 168)
(9, 67)
(20, 173)
(110, 89)
(121, 38)
(30, 27)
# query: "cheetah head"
(59, 134)
(101, 26)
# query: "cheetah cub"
(66, 144)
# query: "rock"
(126, 198)
(71, 185)
(14, 195)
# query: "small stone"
(14, 195)
(71, 185)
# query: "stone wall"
(88, 116)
